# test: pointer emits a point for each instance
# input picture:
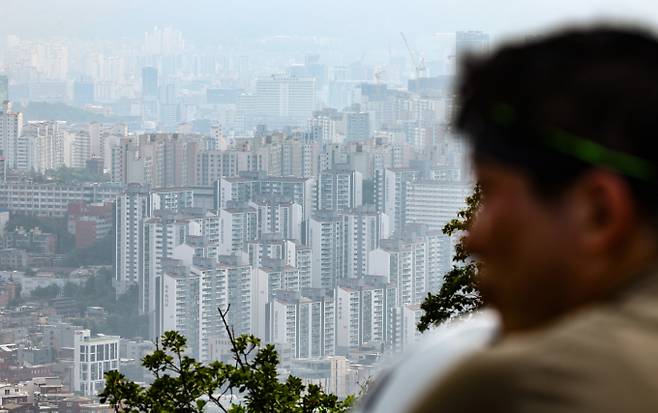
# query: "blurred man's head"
(563, 131)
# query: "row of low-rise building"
(53, 199)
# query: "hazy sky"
(360, 21)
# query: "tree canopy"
(182, 384)
(459, 293)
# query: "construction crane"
(418, 62)
(379, 71)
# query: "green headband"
(585, 150)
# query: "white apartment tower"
(163, 233)
(304, 322)
(237, 226)
(92, 357)
(48, 141)
(11, 125)
(363, 307)
(415, 264)
(341, 243)
(281, 100)
(434, 203)
(179, 302)
(339, 189)
(283, 218)
(132, 209)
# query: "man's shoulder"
(591, 361)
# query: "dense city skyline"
(295, 162)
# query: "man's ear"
(603, 209)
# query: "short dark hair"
(558, 105)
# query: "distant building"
(390, 194)
(340, 244)
(280, 101)
(11, 129)
(92, 357)
(471, 42)
(11, 394)
(193, 291)
(159, 160)
(48, 149)
(404, 327)
(51, 199)
(4, 88)
(283, 218)
(83, 92)
(339, 189)
(89, 222)
(3, 168)
(13, 259)
(414, 262)
(150, 82)
(94, 166)
(362, 312)
(357, 126)
(132, 209)
(249, 186)
(237, 225)
(304, 321)
(434, 203)
(223, 96)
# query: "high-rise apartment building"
(434, 203)
(414, 262)
(238, 224)
(339, 189)
(247, 296)
(132, 209)
(341, 243)
(11, 129)
(280, 100)
(4, 88)
(272, 247)
(357, 126)
(214, 164)
(150, 82)
(159, 160)
(48, 138)
(363, 308)
(163, 233)
(280, 276)
(328, 246)
(304, 322)
(79, 148)
(403, 327)
(322, 127)
(249, 186)
(390, 194)
(180, 302)
(278, 217)
(195, 287)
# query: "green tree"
(122, 319)
(47, 292)
(100, 252)
(459, 293)
(182, 384)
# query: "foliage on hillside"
(459, 293)
(182, 384)
(35, 111)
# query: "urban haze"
(292, 159)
